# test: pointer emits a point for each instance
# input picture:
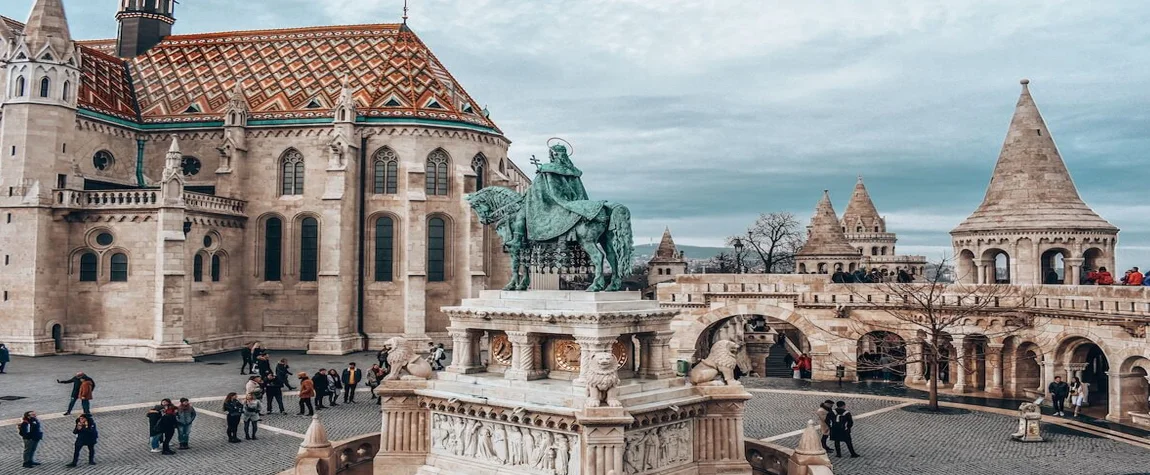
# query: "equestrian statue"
(538, 226)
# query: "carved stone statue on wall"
(602, 379)
(405, 362)
(719, 364)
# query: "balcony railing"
(145, 198)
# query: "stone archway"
(881, 355)
(1130, 389)
(1022, 368)
(58, 338)
(1084, 358)
(1054, 267)
(689, 327)
(965, 269)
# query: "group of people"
(801, 366)
(874, 276)
(165, 420)
(1076, 391)
(835, 424)
(877, 365)
(85, 428)
(1133, 277)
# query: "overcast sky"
(701, 114)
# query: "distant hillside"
(643, 252)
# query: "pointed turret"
(666, 249)
(1031, 187)
(809, 452)
(344, 110)
(236, 113)
(315, 440)
(174, 156)
(825, 236)
(861, 213)
(47, 25)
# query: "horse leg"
(612, 259)
(513, 284)
(588, 239)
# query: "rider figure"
(556, 199)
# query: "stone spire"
(825, 236)
(47, 25)
(174, 156)
(315, 440)
(236, 113)
(809, 451)
(861, 212)
(666, 249)
(1031, 188)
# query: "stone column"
(603, 442)
(915, 362)
(655, 354)
(405, 437)
(526, 357)
(588, 346)
(719, 434)
(959, 364)
(1047, 378)
(1074, 370)
(994, 366)
(172, 287)
(465, 351)
(1073, 270)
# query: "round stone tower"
(827, 248)
(1032, 227)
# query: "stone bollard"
(1029, 419)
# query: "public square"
(892, 439)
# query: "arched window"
(436, 249)
(876, 229)
(119, 268)
(858, 229)
(384, 249)
(386, 165)
(20, 86)
(273, 248)
(309, 250)
(874, 251)
(479, 166)
(216, 268)
(67, 96)
(291, 170)
(45, 86)
(89, 266)
(437, 172)
(883, 251)
(198, 268)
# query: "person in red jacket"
(1135, 277)
(1103, 277)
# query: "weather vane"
(404, 12)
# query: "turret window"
(385, 164)
(67, 95)
(45, 87)
(20, 86)
(479, 166)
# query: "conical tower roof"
(666, 250)
(1031, 188)
(48, 25)
(861, 209)
(826, 236)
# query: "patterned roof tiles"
(105, 86)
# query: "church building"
(164, 196)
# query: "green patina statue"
(538, 226)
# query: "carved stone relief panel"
(656, 448)
(512, 447)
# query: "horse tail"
(619, 226)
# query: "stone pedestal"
(568, 399)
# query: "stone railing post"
(464, 351)
(406, 435)
(719, 447)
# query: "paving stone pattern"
(770, 414)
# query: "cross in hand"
(535, 161)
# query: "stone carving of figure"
(499, 440)
(472, 444)
(515, 447)
(486, 449)
(633, 455)
(563, 454)
(528, 447)
(541, 445)
(458, 438)
(651, 450)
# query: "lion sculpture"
(603, 380)
(720, 363)
(403, 359)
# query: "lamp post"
(738, 256)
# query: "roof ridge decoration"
(861, 209)
(825, 236)
(1031, 188)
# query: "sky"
(701, 114)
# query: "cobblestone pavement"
(892, 441)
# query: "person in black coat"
(320, 381)
(86, 436)
(76, 381)
(841, 423)
(264, 365)
(382, 357)
(31, 432)
(283, 372)
(1059, 391)
(274, 389)
(350, 378)
(246, 354)
(234, 410)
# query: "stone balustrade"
(144, 198)
(346, 457)
(214, 204)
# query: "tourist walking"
(283, 372)
(1059, 390)
(382, 358)
(350, 379)
(234, 410)
(374, 376)
(274, 389)
(306, 393)
(821, 415)
(1078, 392)
(168, 423)
(31, 432)
(257, 350)
(804, 366)
(252, 409)
(333, 387)
(185, 416)
(438, 355)
(155, 434)
(263, 366)
(86, 436)
(4, 358)
(77, 382)
(246, 354)
(319, 381)
(841, 423)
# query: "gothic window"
(20, 86)
(858, 229)
(45, 85)
(89, 264)
(436, 249)
(876, 229)
(190, 165)
(216, 268)
(273, 248)
(386, 168)
(384, 249)
(437, 172)
(309, 250)
(291, 170)
(67, 91)
(198, 268)
(119, 267)
(479, 166)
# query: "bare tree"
(937, 312)
(774, 238)
(722, 263)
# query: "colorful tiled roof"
(105, 86)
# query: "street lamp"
(738, 256)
